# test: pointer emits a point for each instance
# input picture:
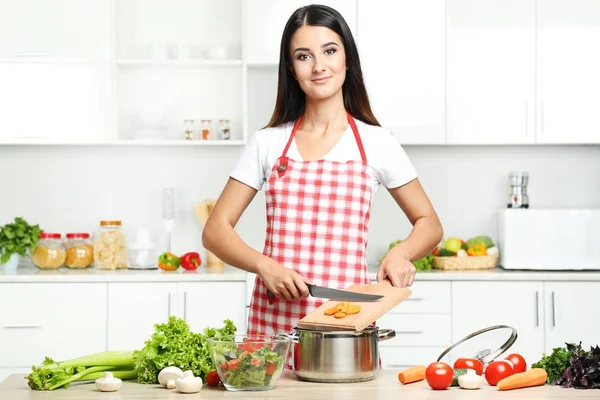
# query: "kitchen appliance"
(168, 213)
(369, 310)
(549, 239)
(336, 294)
(336, 356)
(518, 190)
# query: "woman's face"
(318, 61)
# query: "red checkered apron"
(317, 224)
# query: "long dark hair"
(291, 99)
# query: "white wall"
(70, 188)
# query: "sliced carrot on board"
(353, 310)
(339, 314)
(533, 377)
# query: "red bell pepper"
(168, 261)
(191, 261)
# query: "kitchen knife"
(336, 294)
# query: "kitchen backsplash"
(70, 188)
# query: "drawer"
(417, 329)
(427, 297)
(405, 357)
(56, 320)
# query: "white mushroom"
(168, 375)
(189, 383)
(471, 380)
(108, 383)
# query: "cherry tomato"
(498, 370)
(518, 362)
(212, 378)
(439, 375)
(471, 363)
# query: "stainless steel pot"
(336, 356)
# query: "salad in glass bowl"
(249, 363)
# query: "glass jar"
(188, 125)
(142, 253)
(205, 130)
(80, 251)
(110, 250)
(225, 130)
(49, 252)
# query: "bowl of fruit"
(456, 254)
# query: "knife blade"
(340, 295)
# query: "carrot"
(353, 310)
(533, 377)
(339, 314)
(412, 374)
(331, 311)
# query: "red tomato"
(439, 375)
(212, 378)
(518, 362)
(471, 363)
(497, 370)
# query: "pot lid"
(485, 355)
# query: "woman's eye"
(330, 51)
(303, 57)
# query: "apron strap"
(352, 123)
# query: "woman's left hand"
(396, 266)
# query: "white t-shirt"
(388, 162)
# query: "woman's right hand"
(284, 282)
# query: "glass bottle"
(188, 125)
(49, 252)
(110, 251)
(206, 133)
(225, 130)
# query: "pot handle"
(293, 337)
(385, 334)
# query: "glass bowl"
(249, 362)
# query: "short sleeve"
(250, 169)
(395, 168)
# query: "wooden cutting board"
(369, 310)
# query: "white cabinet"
(208, 304)
(491, 71)
(55, 30)
(568, 82)
(422, 324)
(266, 19)
(57, 320)
(572, 314)
(478, 305)
(402, 53)
(151, 303)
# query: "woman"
(322, 157)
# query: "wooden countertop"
(384, 386)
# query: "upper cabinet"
(402, 52)
(568, 80)
(491, 71)
(55, 30)
(265, 20)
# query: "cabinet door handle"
(184, 305)
(537, 309)
(169, 306)
(22, 326)
(553, 310)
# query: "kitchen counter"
(384, 386)
(33, 274)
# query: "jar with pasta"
(110, 249)
(80, 251)
(49, 252)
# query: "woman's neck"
(322, 116)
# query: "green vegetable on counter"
(17, 237)
(484, 240)
(51, 375)
(555, 363)
(174, 344)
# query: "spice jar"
(110, 251)
(225, 130)
(205, 130)
(49, 253)
(80, 252)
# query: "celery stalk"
(125, 375)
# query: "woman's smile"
(321, 80)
